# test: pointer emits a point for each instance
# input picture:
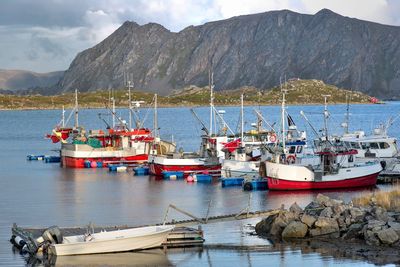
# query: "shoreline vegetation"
(368, 227)
(300, 92)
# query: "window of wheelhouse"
(355, 145)
(384, 145)
(292, 149)
(374, 145)
(364, 145)
(299, 149)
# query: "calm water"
(38, 194)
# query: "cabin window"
(347, 144)
(373, 145)
(354, 145)
(299, 149)
(364, 145)
(292, 149)
(351, 158)
(383, 145)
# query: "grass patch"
(390, 200)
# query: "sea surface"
(33, 193)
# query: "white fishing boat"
(333, 166)
(112, 241)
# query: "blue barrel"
(141, 171)
(256, 184)
(99, 164)
(52, 159)
(225, 182)
(35, 157)
(87, 164)
(173, 175)
(204, 178)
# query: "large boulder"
(295, 229)
(308, 220)
(327, 212)
(380, 213)
(395, 226)
(325, 226)
(295, 208)
(313, 209)
(387, 236)
(273, 225)
(356, 214)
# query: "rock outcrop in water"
(253, 50)
(333, 219)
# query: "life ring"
(291, 159)
(272, 138)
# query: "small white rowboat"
(112, 241)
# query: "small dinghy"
(111, 241)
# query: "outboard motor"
(53, 235)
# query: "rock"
(313, 209)
(388, 236)
(295, 208)
(324, 226)
(327, 212)
(395, 226)
(308, 220)
(324, 222)
(338, 210)
(342, 223)
(264, 227)
(273, 225)
(375, 225)
(295, 229)
(357, 215)
(371, 238)
(354, 231)
(380, 213)
(322, 199)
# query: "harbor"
(122, 198)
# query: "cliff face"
(253, 50)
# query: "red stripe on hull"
(280, 184)
(70, 162)
(157, 169)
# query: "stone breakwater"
(333, 220)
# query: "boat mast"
(346, 128)
(284, 91)
(242, 119)
(130, 104)
(155, 120)
(76, 109)
(113, 110)
(211, 85)
(326, 115)
(63, 117)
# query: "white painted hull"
(240, 169)
(113, 241)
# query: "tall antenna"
(130, 84)
(241, 119)
(76, 109)
(211, 85)
(113, 110)
(326, 115)
(155, 120)
(63, 117)
(346, 126)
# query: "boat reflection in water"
(153, 257)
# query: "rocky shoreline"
(369, 232)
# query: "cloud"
(45, 35)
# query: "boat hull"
(74, 162)
(158, 165)
(363, 181)
(120, 242)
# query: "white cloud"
(49, 33)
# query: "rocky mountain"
(252, 50)
(12, 81)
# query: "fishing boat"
(243, 155)
(119, 143)
(207, 160)
(333, 166)
(112, 241)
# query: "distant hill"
(252, 50)
(299, 92)
(21, 80)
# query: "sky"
(46, 35)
